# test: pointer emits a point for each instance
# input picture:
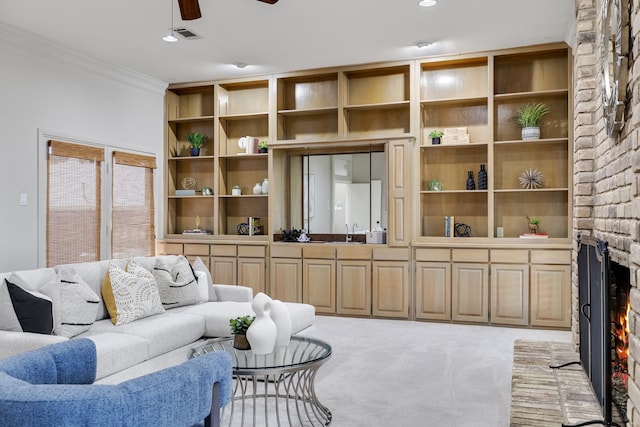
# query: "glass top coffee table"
(276, 388)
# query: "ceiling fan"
(190, 9)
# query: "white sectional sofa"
(150, 341)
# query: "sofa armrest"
(12, 343)
(233, 293)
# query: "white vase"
(257, 189)
(265, 186)
(262, 333)
(282, 318)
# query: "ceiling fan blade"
(269, 1)
(190, 9)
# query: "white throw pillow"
(176, 282)
(75, 304)
(130, 295)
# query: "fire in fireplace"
(620, 304)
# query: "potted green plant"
(239, 327)
(528, 117)
(196, 141)
(435, 136)
(263, 147)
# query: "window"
(132, 214)
(93, 210)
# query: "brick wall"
(607, 170)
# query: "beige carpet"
(397, 373)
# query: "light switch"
(23, 199)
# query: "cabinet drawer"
(223, 250)
(163, 248)
(470, 255)
(319, 251)
(354, 252)
(286, 251)
(510, 256)
(551, 257)
(196, 249)
(251, 251)
(433, 255)
(391, 254)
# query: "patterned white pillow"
(176, 282)
(75, 304)
(130, 295)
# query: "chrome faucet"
(346, 233)
(355, 227)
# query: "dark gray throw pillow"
(34, 313)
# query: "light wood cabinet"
(319, 284)
(433, 290)
(551, 296)
(393, 107)
(252, 266)
(470, 292)
(390, 289)
(510, 294)
(354, 287)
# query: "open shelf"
(470, 208)
(450, 80)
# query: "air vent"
(187, 34)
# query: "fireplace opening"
(619, 306)
(603, 299)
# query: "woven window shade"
(73, 203)
(132, 211)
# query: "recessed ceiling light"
(427, 3)
(422, 44)
(240, 64)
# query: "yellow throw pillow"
(130, 295)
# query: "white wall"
(46, 88)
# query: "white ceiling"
(289, 35)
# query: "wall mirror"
(340, 190)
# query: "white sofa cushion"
(163, 332)
(116, 352)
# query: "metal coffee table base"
(279, 399)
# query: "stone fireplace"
(607, 172)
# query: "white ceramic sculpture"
(262, 333)
(282, 318)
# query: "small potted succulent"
(239, 327)
(435, 136)
(529, 117)
(263, 147)
(196, 141)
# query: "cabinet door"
(285, 279)
(470, 292)
(391, 288)
(354, 288)
(510, 294)
(251, 273)
(399, 200)
(223, 270)
(551, 295)
(319, 284)
(433, 290)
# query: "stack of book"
(455, 136)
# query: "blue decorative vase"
(471, 184)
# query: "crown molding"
(41, 47)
